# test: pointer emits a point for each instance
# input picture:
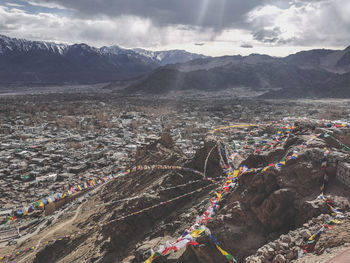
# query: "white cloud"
(14, 5)
(45, 4)
(306, 23)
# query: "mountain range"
(24, 61)
(307, 74)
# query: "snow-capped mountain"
(116, 50)
(168, 57)
(21, 45)
(23, 61)
(161, 57)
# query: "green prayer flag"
(229, 257)
(346, 148)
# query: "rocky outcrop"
(287, 247)
(266, 219)
(266, 205)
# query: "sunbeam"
(203, 11)
(221, 13)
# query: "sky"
(210, 27)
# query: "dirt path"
(60, 226)
(52, 231)
(24, 238)
(341, 258)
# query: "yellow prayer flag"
(149, 260)
(221, 250)
(41, 204)
(196, 233)
(267, 167)
(335, 221)
(312, 237)
(219, 196)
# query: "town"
(50, 143)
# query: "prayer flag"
(228, 256)
(196, 233)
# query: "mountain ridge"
(310, 74)
(25, 61)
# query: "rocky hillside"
(307, 74)
(337, 61)
(267, 215)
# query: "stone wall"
(51, 208)
(338, 164)
(343, 173)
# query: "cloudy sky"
(211, 27)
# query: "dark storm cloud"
(246, 45)
(164, 23)
(268, 35)
(272, 36)
(217, 14)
